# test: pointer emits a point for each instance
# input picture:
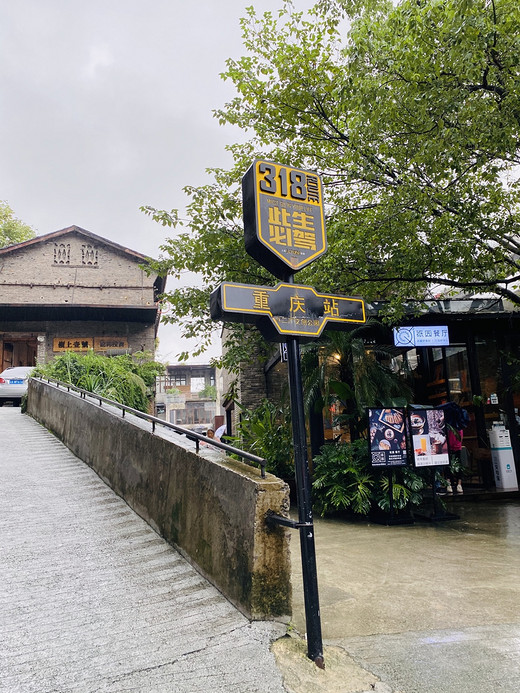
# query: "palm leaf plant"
(342, 480)
(341, 370)
(407, 486)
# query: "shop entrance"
(17, 352)
(472, 374)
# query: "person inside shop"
(455, 448)
(456, 419)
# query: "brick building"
(74, 290)
(186, 396)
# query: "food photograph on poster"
(387, 437)
(429, 437)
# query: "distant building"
(186, 396)
(73, 290)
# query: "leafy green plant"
(345, 480)
(407, 487)
(266, 432)
(341, 478)
(126, 379)
(342, 370)
(209, 392)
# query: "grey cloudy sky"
(106, 106)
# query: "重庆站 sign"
(284, 226)
(286, 309)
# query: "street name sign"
(284, 226)
(286, 309)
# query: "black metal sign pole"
(303, 492)
(284, 230)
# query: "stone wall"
(37, 275)
(212, 510)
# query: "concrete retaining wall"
(211, 510)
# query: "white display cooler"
(502, 458)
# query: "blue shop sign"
(422, 336)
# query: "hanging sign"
(387, 439)
(284, 226)
(286, 309)
(429, 437)
(424, 336)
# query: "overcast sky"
(106, 106)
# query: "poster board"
(387, 437)
(429, 437)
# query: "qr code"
(378, 458)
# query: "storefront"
(474, 363)
(478, 368)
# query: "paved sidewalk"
(92, 599)
(424, 608)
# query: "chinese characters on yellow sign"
(286, 309)
(283, 217)
(86, 343)
(284, 230)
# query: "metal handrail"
(154, 420)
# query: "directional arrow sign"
(286, 309)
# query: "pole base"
(319, 662)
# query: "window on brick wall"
(62, 253)
(89, 255)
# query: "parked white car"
(13, 383)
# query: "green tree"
(209, 392)
(266, 431)
(411, 114)
(12, 230)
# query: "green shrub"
(407, 487)
(126, 379)
(266, 432)
(345, 480)
(341, 478)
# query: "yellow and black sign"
(284, 226)
(73, 344)
(286, 309)
(86, 343)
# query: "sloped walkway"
(92, 599)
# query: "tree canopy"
(12, 230)
(411, 114)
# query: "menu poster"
(387, 437)
(429, 437)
